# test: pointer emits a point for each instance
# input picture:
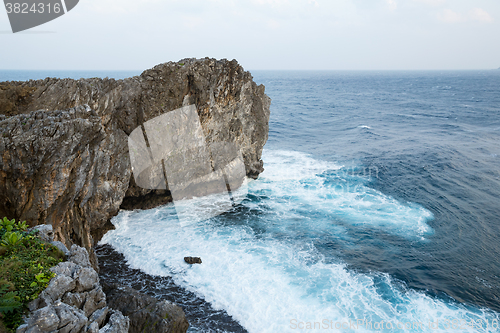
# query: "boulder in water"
(192, 260)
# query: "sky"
(262, 34)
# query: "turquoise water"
(378, 208)
(378, 203)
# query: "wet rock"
(192, 260)
(146, 313)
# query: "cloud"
(433, 3)
(271, 2)
(476, 14)
(450, 16)
(314, 3)
(273, 24)
(392, 4)
(192, 22)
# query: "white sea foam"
(279, 284)
(294, 179)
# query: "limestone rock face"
(61, 168)
(71, 168)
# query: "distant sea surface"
(379, 203)
(25, 75)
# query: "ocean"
(378, 211)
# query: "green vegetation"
(9, 301)
(25, 262)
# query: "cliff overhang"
(64, 158)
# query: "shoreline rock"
(146, 313)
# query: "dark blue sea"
(378, 211)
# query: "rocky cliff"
(63, 142)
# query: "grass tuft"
(25, 262)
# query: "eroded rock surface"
(71, 169)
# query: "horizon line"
(267, 69)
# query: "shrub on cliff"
(25, 261)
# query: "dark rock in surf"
(192, 260)
(146, 313)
